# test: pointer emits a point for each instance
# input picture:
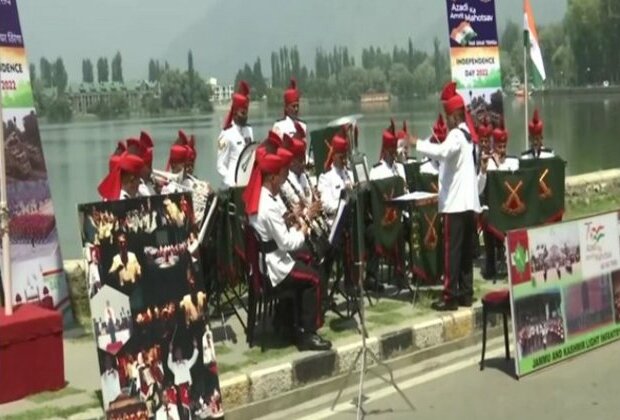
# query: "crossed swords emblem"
(431, 238)
(543, 189)
(514, 204)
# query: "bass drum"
(245, 165)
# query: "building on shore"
(86, 96)
(220, 93)
(374, 97)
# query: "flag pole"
(4, 225)
(526, 45)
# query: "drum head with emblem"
(245, 164)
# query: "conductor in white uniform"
(458, 199)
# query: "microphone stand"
(364, 352)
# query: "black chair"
(497, 302)
(262, 296)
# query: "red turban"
(339, 144)
(137, 147)
(291, 95)
(192, 147)
(295, 145)
(240, 100)
(485, 129)
(536, 125)
(267, 163)
(178, 154)
(286, 155)
(389, 139)
(147, 143)
(116, 156)
(110, 187)
(440, 129)
(452, 102)
(500, 135)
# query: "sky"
(225, 34)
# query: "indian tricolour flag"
(531, 42)
(463, 33)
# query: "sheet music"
(341, 205)
(414, 196)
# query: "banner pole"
(526, 98)
(4, 225)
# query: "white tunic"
(331, 183)
(458, 186)
(146, 189)
(543, 153)
(231, 143)
(296, 186)
(269, 225)
(382, 170)
(287, 126)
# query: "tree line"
(179, 90)
(405, 72)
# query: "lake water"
(583, 129)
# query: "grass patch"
(222, 349)
(384, 306)
(50, 411)
(388, 318)
(53, 395)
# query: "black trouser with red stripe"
(306, 283)
(458, 229)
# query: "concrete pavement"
(585, 387)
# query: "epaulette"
(281, 119)
(376, 164)
(511, 157)
(527, 152)
(546, 149)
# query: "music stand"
(364, 351)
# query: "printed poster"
(565, 289)
(149, 309)
(37, 273)
(474, 56)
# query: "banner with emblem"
(551, 186)
(426, 182)
(564, 283)
(428, 241)
(475, 56)
(412, 169)
(149, 309)
(386, 217)
(513, 200)
(37, 272)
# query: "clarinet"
(311, 240)
(319, 224)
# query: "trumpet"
(163, 178)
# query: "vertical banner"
(565, 289)
(149, 309)
(37, 273)
(474, 56)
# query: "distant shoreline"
(592, 90)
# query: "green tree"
(60, 77)
(59, 109)
(512, 35)
(117, 68)
(202, 95)
(32, 71)
(103, 70)
(260, 87)
(424, 78)
(46, 72)
(154, 70)
(402, 83)
(87, 71)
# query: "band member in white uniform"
(177, 160)
(291, 112)
(536, 150)
(235, 135)
(277, 241)
(124, 179)
(458, 199)
(388, 166)
(337, 178)
(440, 132)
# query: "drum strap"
(268, 246)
